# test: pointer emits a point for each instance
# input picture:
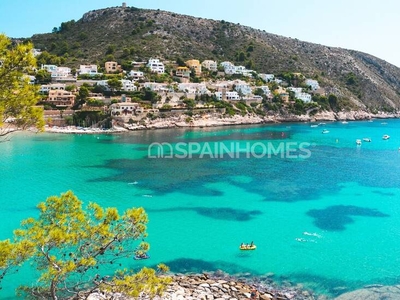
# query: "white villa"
(61, 73)
(54, 86)
(299, 94)
(267, 77)
(57, 72)
(227, 95)
(210, 65)
(135, 75)
(156, 66)
(49, 68)
(88, 70)
(265, 89)
(158, 87)
(128, 85)
(193, 88)
(243, 88)
(313, 84)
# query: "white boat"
(386, 137)
(345, 122)
(325, 131)
(367, 140)
(314, 126)
(358, 142)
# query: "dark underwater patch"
(219, 213)
(335, 218)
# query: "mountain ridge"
(129, 33)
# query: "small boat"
(141, 256)
(386, 137)
(358, 142)
(345, 122)
(247, 247)
(367, 140)
(325, 131)
(314, 125)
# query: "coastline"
(219, 286)
(215, 120)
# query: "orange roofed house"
(61, 98)
(195, 64)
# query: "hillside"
(128, 33)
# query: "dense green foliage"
(17, 96)
(74, 248)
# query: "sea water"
(323, 211)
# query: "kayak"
(247, 247)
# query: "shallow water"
(328, 221)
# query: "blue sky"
(365, 25)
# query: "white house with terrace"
(243, 88)
(299, 94)
(313, 84)
(156, 66)
(227, 95)
(267, 77)
(158, 87)
(128, 85)
(45, 88)
(210, 65)
(265, 90)
(229, 68)
(61, 73)
(88, 70)
(193, 88)
(135, 75)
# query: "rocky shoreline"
(214, 120)
(220, 286)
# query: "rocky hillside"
(128, 33)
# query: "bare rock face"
(373, 293)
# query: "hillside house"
(88, 70)
(135, 75)
(156, 66)
(195, 65)
(210, 65)
(112, 67)
(313, 84)
(61, 98)
(45, 88)
(227, 95)
(182, 72)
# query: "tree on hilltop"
(17, 96)
(74, 250)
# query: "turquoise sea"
(326, 214)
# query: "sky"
(365, 25)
